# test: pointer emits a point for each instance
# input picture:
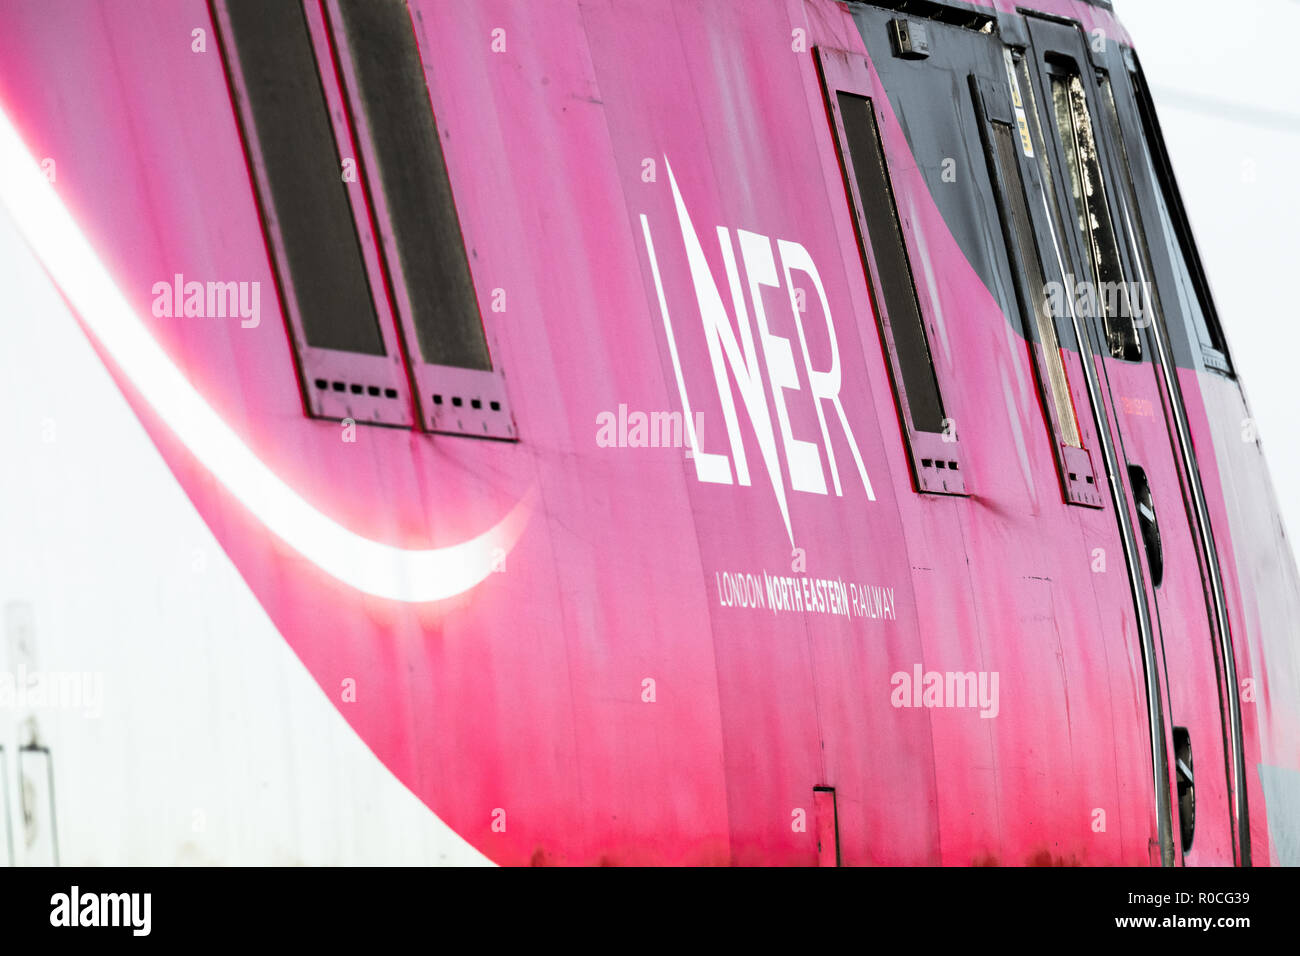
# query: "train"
(595, 432)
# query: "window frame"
(449, 399)
(399, 387)
(1075, 466)
(1149, 136)
(937, 460)
(1065, 68)
(321, 371)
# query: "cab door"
(1113, 303)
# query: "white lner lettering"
(733, 355)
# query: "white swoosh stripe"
(369, 566)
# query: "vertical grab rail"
(1205, 536)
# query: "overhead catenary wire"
(1277, 120)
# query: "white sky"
(1224, 79)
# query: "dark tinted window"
(896, 286)
(1092, 217)
(1021, 228)
(302, 175)
(1193, 290)
(413, 177)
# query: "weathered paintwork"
(523, 699)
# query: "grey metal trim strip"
(1205, 533)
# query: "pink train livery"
(621, 432)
